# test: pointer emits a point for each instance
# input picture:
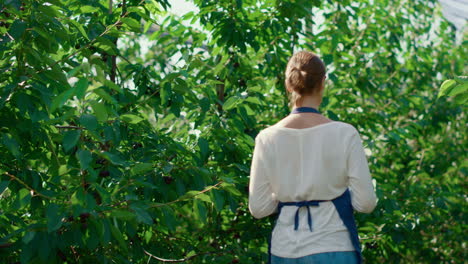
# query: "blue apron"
(345, 211)
(342, 204)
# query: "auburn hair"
(304, 74)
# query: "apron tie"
(299, 205)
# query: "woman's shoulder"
(341, 129)
(347, 131)
(272, 129)
(347, 126)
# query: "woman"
(313, 172)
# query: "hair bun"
(296, 79)
(304, 73)
(298, 70)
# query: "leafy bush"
(114, 154)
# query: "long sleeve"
(262, 201)
(363, 196)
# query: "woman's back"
(308, 163)
(313, 163)
(305, 158)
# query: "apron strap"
(345, 210)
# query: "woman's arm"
(362, 191)
(262, 201)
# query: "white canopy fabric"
(456, 11)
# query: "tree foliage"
(112, 151)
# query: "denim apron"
(345, 211)
(342, 204)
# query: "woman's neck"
(309, 101)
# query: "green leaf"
(200, 210)
(54, 219)
(147, 26)
(119, 237)
(165, 93)
(106, 45)
(85, 158)
(204, 197)
(141, 168)
(148, 235)
(104, 95)
(49, 10)
(11, 144)
(132, 23)
(79, 27)
(78, 197)
(446, 86)
(196, 195)
(17, 29)
(3, 186)
(204, 148)
(231, 188)
(218, 199)
(169, 218)
(143, 216)
(457, 88)
(81, 86)
(41, 32)
(24, 198)
(189, 195)
(254, 100)
(461, 99)
(60, 100)
(130, 118)
(100, 111)
(114, 158)
(28, 237)
(88, 9)
(57, 77)
(70, 139)
(460, 88)
(332, 115)
(16, 4)
(167, 168)
(231, 102)
(113, 86)
(43, 247)
(140, 11)
(123, 214)
(89, 122)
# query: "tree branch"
(186, 258)
(13, 177)
(178, 200)
(69, 127)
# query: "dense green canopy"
(127, 136)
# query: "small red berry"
(168, 179)
(104, 174)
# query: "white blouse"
(315, 163)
